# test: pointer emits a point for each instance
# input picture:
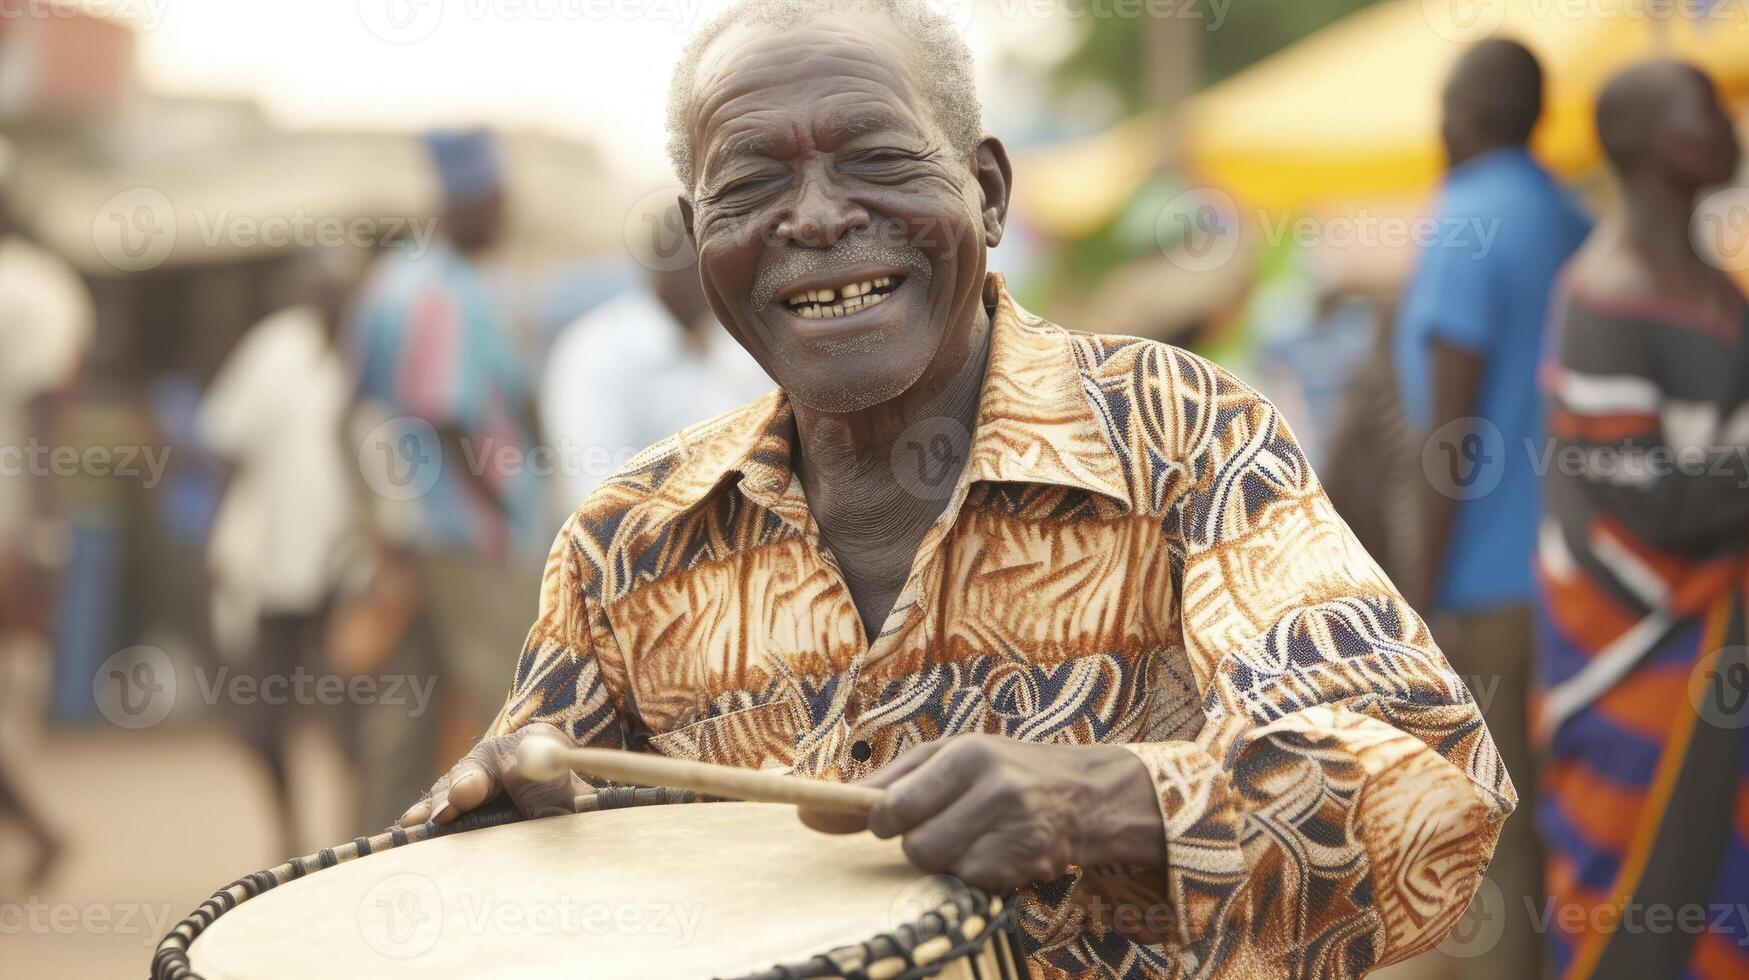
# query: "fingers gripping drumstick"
(541, 758)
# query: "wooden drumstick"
(542, 758)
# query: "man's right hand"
(490, 769)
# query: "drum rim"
(968, 918)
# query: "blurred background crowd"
(378, 289)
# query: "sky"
(588, 67)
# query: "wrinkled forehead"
(855, 71)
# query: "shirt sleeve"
(566, 675)
(1343, 796)
(1451, 299)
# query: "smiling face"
(841, 238)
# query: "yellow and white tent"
(1352, 112)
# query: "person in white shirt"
(276, 413)
(635, 369)
(46, 322)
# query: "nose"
(822, 215)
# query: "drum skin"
(702, 890)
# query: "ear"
(995, 180)
(686, 219)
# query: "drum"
(693, 890)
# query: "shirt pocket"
(761, 736)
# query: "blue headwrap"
(467, 162)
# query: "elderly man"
(1075, 603)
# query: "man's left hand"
(1001, 814)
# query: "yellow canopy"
(1353, 110)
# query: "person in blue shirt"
(456, 488)
(1466, 348)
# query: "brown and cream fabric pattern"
(1136, 553)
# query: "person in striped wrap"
(1642, 549)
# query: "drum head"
(703, 890)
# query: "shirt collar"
(1037, 423)
(1504, 159)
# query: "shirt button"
(861, 751)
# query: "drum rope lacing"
(966, 919)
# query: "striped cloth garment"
(1643, 680)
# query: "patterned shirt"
(1135, 553)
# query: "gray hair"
(944, 66)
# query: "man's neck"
(1481, 149)
(873, 510)
(1657, 222)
